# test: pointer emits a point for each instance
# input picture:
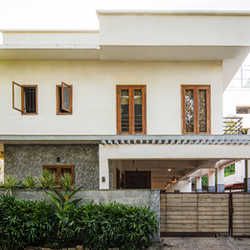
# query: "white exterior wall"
(94, 94)
(239, 175)
(181, 186)
(160, 28)
(234, 97)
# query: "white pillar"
(220, 179)
(211, 180)
(103, 169)
(198, 184)
(189, 186)
(247, 174)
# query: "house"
(237, 105)
(135, 104)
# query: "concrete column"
(198, 184)
(103, 169)
(247, 174)
(220, 179)
(211, 180)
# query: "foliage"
(66, 223)
(29, 182)
(66, 182)
(47, 180)
(10, 183)
(204, 181)
(24, 223)
(117, 225)
(65, 206)
(229, 170)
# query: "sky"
(81, 14)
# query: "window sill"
(61, 113)
(23, 113)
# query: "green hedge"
(96, 226)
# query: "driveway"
(189, 243)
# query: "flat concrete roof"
(128, 139)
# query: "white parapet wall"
(180, 186)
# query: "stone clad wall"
(24, 160)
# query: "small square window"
(24, 98)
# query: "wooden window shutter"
(17, 97)
(66, 97)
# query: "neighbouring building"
(135, 104)
(236, 104)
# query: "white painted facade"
(239, 175)
(94, 94)
(170, 49)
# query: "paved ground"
(189, 243)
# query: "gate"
(195, 214)
(205, 214)
(241, 214)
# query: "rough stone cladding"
(23, 160)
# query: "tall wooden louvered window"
(195, 109)
(131, 109)
(24, 98)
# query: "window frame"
(196, 88)
(131, 109)
(60, 100)
(58, 168)
(23, 86)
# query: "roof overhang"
(166, 35)
(233, 140)
(142, 35)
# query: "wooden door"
(137, 179)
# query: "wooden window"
(131, 109)
(64, 99)
(24, 98)
(195, 109)
(60, 170)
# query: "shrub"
(64, 224)
(65, 206)
(66, 182)
(10, 183)
(29, 182)
(47, 180)
(117, 225)
(24, 223)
